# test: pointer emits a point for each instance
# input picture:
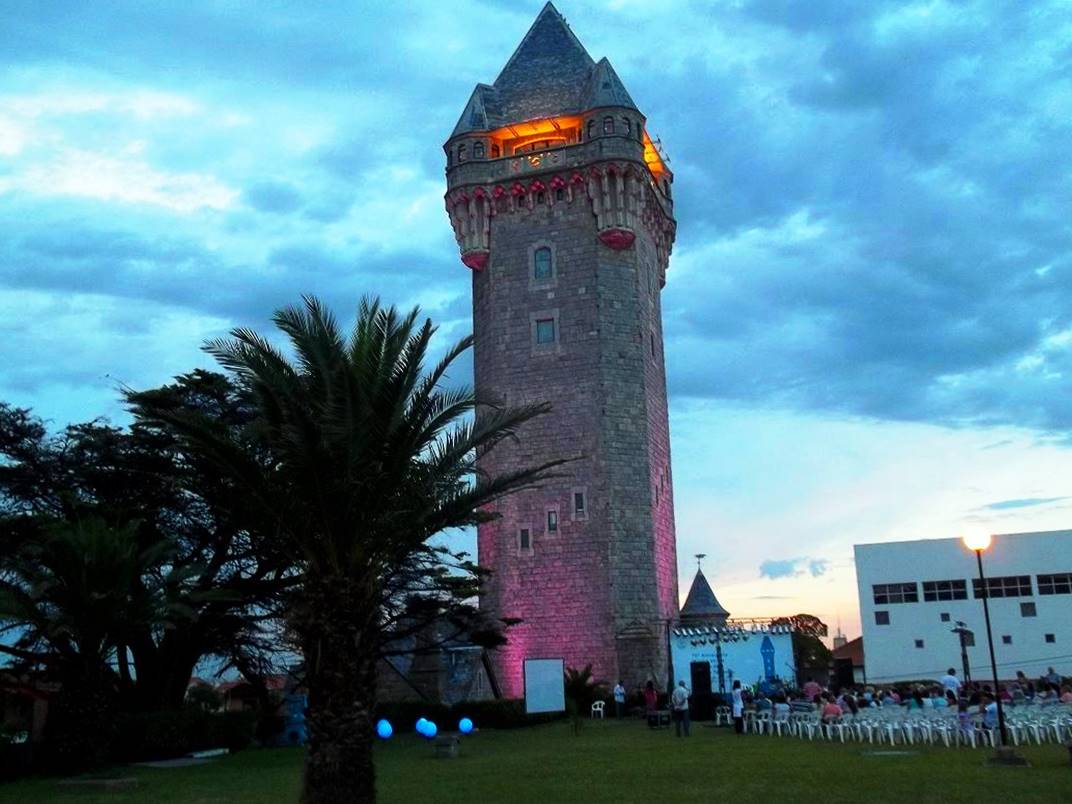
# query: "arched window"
(591, 128)
(495, 151)
(628, 128)
(608, 125)
(461, 153)
(541, 263)
(478, 150)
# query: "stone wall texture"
(602, 587)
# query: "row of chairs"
(893, 726)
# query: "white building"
(913, 594)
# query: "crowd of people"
(832, 703)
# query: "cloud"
(793, 567)
(1026, 502)
(273, 196)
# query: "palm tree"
(72, 591)
(370, 457)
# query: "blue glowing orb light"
(422, 724)
(384, 729)
(465, 725)
(430, 730)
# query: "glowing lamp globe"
(465, 725)
(976, 540)
(384, 729)
(422, 724)
(430, 730)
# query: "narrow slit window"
(608, 125)
(591, 128)
(478, 150)
(524, 539)
(545, 331)
(627, 127)
(542, 267)
(552, 521)
(579, 503)
(560, 194)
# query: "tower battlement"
(561, 206)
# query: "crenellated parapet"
(623, 196)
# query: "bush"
(162, 735)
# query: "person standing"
(812, 690)
(619, 700)
(651, 702)
(679, 703)
(950, 681)
(738, 708)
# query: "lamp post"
(977, 543)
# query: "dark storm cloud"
(872, 198)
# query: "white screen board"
(544, 687)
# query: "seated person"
(781, 706)
(830, 711)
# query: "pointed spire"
(606, 88)
(475, 116)
(701, 605)
(547, 74)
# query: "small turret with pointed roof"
(701, 606)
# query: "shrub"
(161, 735)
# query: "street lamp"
(977, 542)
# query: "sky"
(868, 311)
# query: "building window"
(524, 539)
(628, 128)
(542, 266)
(461, 153)
(1028, 610)
(945, 590)
(944, 616)
(1006, 639)
(545, 331)
(540, 197)
(591, 128)
(495, 152)
(1007, 586)
(886, 593)
(882, 618)
(608, 125)
(478, 150)
(653, 345)
(579, 504)
(1057, 584)
(560, 194)
(552, 521)
(919, 643)
(1050, 639)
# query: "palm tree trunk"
(340, 669)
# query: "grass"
(613, 762)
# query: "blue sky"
(867, 313)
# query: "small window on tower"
(478, 150)
(495, 152)
(560, 194)
(461, 153)
(579, 503)
(524, 539)
(608, 125)
(591, 128)
(627, 127)
(542, 267)
(545, 331)
(552, 521)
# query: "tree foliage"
(363, 457)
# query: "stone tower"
(560, 202)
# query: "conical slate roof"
(549, 75)
(701, 602)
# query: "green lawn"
(615, 762)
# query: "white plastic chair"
(597, 709)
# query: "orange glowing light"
(653, 159)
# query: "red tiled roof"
(852, 650)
